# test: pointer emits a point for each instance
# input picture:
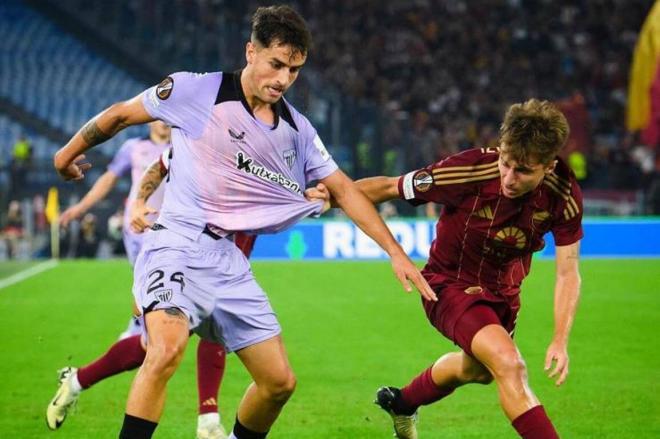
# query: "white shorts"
(210, 281)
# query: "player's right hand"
(407, 272)
(72, 171)
(319, 193)
(139, 212)
(72, 213)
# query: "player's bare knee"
(162, 359)
(510, 365)
(281, 388)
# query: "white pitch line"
(27, 273)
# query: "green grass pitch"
(349, 328)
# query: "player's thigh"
(167, 330)
(476, 317)
(243, 315)
(176, 276)
(267, 362)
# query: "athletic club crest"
(163, 295)
(289, 157)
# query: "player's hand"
(319, 193)
(407, 272)
(139, 212)
(74, 170)
(72, 213)
(557, 354)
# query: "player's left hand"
(75, 170)
(319, 192)
(139, 213)
(557, 353)
(407, 272)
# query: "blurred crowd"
(418, 80)
(440, 73)
(444, 71)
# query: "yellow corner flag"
(645, 62)
(52, 206)
(53, 215)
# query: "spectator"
(88, 240)
(21, 160)
(115, 225)
(12, 232)
(578, 163)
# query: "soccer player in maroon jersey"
(498, 204)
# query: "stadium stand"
(437, 86)
(390, 86)
(52, 75)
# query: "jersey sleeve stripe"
(441, 182)
(463, 168)
(565, 184)
(572, 209)
(554, 187)
(568, 214)
(463, 174)
(573, 206)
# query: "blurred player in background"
(133, 157)
(498, 204)
(128, 353)
(243, 157)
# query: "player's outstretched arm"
(361, 210)
(100, 128)
(139, 210)
(379, 189)
(567, 295)
(376, 189)
(101, 188)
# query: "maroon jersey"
(483, 238)
(245, 242)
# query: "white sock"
(231, 436)
(209, 418)
(74, 384)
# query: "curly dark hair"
(281, 24)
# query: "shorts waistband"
(207, 231)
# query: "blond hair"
(533, 131)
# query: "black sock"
(242, 432)
(136, 428)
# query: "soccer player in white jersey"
(243, 157)
(136, 156)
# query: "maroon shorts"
(462, 310)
